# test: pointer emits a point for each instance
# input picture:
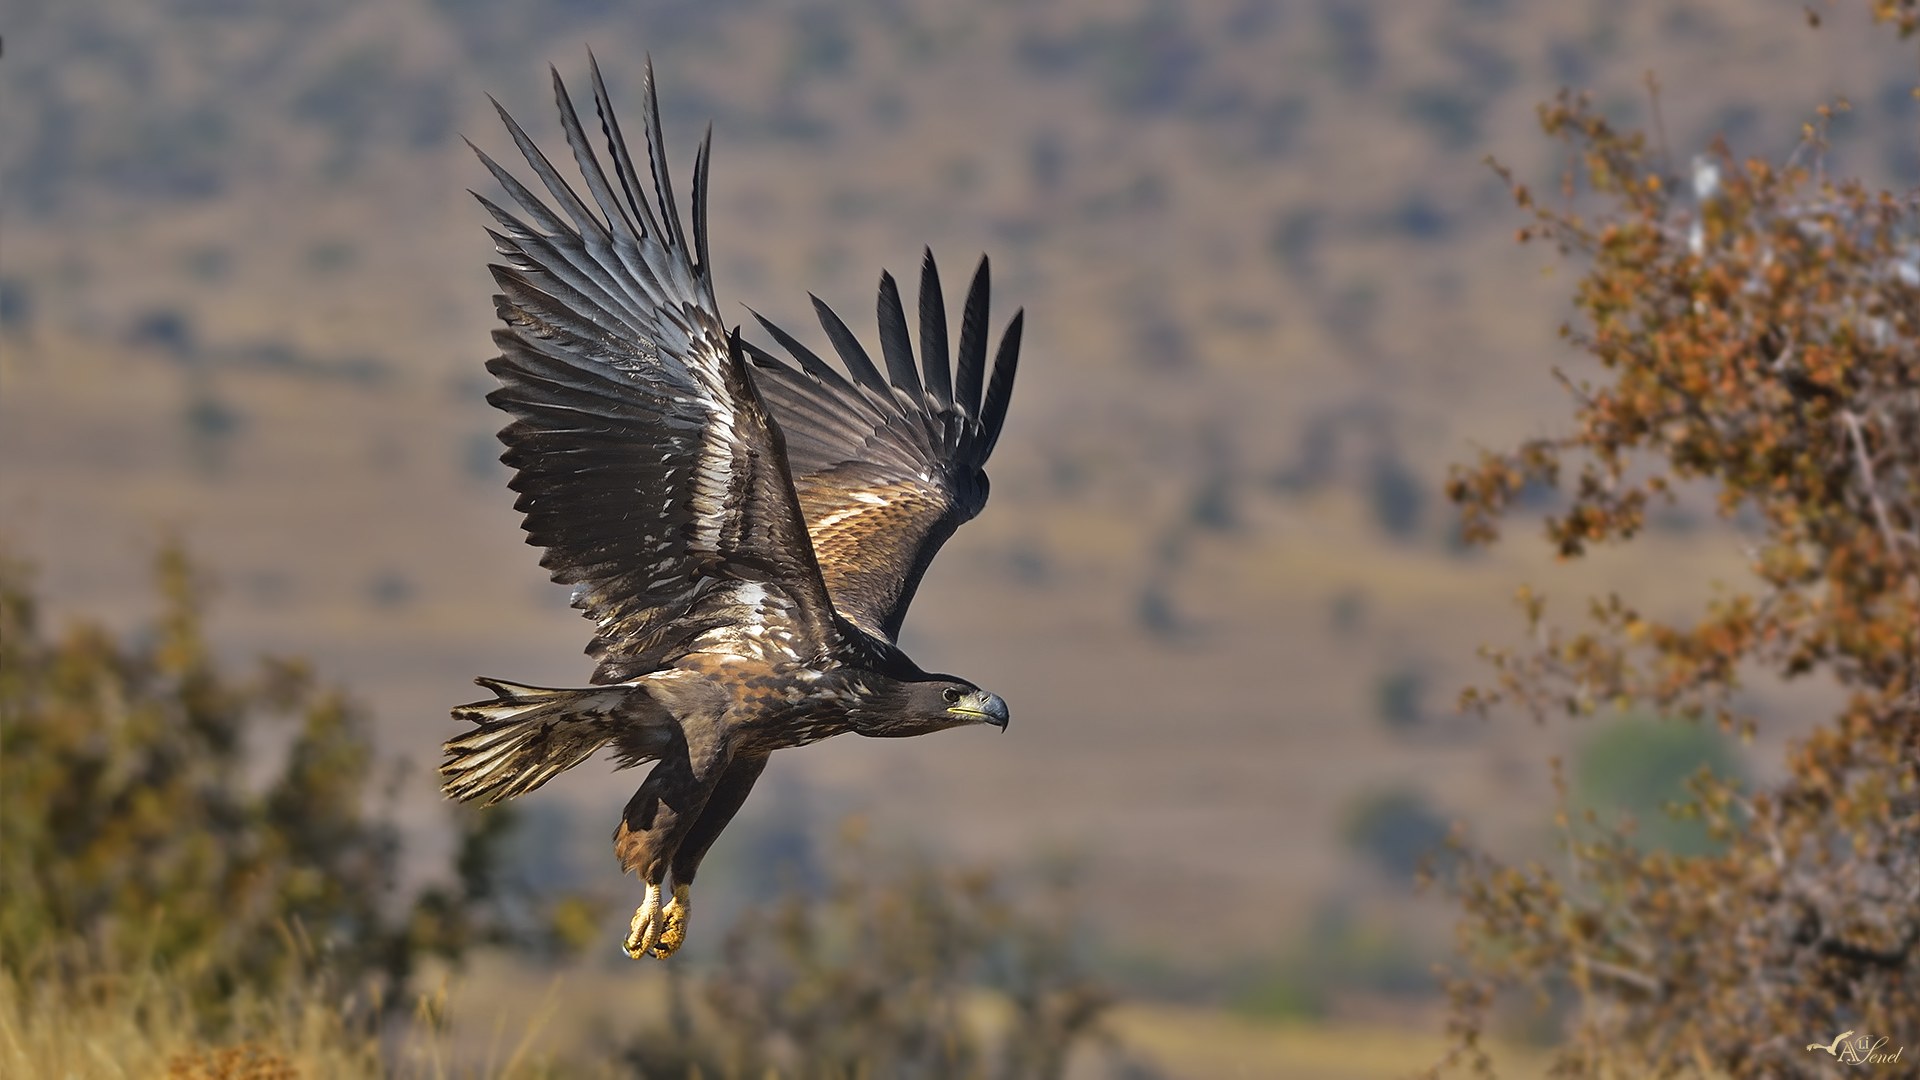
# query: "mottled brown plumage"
(745, 533)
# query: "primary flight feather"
(745, 531)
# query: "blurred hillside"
(1272, 292)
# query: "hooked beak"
(982, 707)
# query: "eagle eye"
(951, 693)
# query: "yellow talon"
(645, 930)
(675, 933)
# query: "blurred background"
(1272, 292)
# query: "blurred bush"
(1396, 698)
(134, 828)
(16, 305)
(1339, 954)
(1397, 496)
(895, 969)
(1399, 833)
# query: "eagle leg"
(660, 833)
(675, 916)
(645, 931)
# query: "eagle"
(745, 530)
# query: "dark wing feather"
(645, 459)
(887, 469)
(848, 346)
(894, 345)
(973, 343)
(1006, 360)
(933, 335)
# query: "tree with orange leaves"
(1758, 329)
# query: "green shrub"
(129, 829)
(1640, 768)
(1338, 953)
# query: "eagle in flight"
(745, 531)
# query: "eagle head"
(928, 704)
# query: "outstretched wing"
(887, 468)
(646, 461)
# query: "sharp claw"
(645, 930)
(674, 934)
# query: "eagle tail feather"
(528, 735)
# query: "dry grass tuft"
(140, 1025)
(248, 1061)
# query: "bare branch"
(1620, 973)
(1865, 461)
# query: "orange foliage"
(1758, 329)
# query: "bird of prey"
(745, 531)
